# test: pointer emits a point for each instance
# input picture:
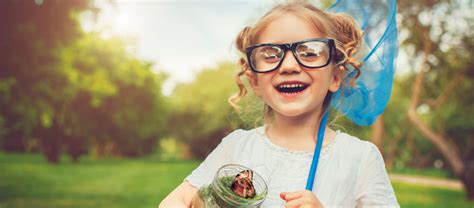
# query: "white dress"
(351, 172)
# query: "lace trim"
(324, 150)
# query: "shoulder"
(373, 186)
(354, 147)
(241, 142)
(240, 137)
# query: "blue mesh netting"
(364, 102)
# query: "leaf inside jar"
(209, 194)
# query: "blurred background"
(112, 103)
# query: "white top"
(351, 172)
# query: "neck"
(297, 133)
(304, 126)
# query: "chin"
(292, 112)
(296, 109)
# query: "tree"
(68, 90)
(438, 32)
(31, 32)
(117, 98)
(201, 115)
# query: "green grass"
(28, 181)
(428, 172)
(409, 195)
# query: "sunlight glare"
(122, 23)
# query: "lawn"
(27, 181)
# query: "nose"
(289, 64)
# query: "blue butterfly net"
(365, 101)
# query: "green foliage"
(30, 80)
(226, 197)
(207, 95)
(201, 112)
(169, 149)
(447, 86)
(118, 97)
(438, 35)
(202, 115)
(71, 91)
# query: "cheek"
(264, 81)
(265, 87)
(322, 78)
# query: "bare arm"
(182, 196)
(186, 195)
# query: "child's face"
(288, 29)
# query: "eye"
(270, 54)
(309, 54)
(312, 51)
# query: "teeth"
(290, 85)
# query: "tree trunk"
(392, 151)
(468, 180)
(99, 150)
(50, 142)
(425, 160)
(52, 155)
(448, 149)
(377, 133)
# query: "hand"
(301, 199)
(197, 202)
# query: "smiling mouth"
(291, 88)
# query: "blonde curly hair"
(340, 27)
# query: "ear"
(253, 80)
(336, 79)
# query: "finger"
(288, 196)
(300, 202)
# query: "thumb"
(283, 195)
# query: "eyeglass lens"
(309, 54)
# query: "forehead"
(288, 28)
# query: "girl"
(297, 57)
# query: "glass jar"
(220, 194)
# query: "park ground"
(26, 180)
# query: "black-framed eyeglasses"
(310, 53)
